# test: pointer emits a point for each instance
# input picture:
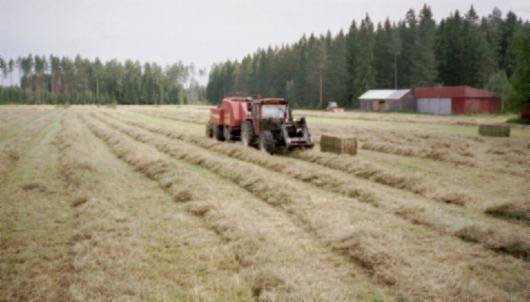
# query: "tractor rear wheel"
(218, 132)
(266, 142)
(247, 134)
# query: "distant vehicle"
(333, 107)
(264, 123)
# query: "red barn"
(456, 100)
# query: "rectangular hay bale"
(338, 145)
(494, 130)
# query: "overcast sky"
(193, 31)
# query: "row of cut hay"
(435, 147)
(494, 130)
(74, 159)
(508, 243)
(278, 164)
(366, 170)
(519, 211)
(431, 154)
(339, 145)
(186, 259)
(363, 169)
(17, 120)
(92, 215)
(457, 149)
(276, 267)
(368, 235)
(117, 254)
(417, 210)
(13, 149)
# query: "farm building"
(388, 100)
(456, 100)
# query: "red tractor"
(264, 123)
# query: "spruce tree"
(364, 70)
(424, 68)
(352, 50)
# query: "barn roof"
(384, 94)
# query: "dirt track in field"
(134, 203)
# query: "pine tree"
(352, 48)
(337, 73)
(405, 63)
(521, 74)
(508, 29)
(364, 70)
(450, 54)
(424, 68)
(385, 53)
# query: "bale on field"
(338, 145)
(494, 130)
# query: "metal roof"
(384, 94)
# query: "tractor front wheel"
(266, 142)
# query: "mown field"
(136, 204)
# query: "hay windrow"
(513, 245)
(299, 208)
(329, 181)
(363, 169)
(16, 146)
(253, 250)
(519, 211)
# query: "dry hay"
(513, 210)
(12, 151)
(364, 170)
(513, 244)
(320, 179)
(453, 197)
(494, 130)
(34, 186)
(252, 250)
(315, 215)
(79, 201)
(339, 145)
(74, 162)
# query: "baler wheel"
(218, 132)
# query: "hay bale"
(338, 145)
(494, 130)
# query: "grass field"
(136, 204)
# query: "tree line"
(59, 80)
(491, 52)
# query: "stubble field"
(135, 204)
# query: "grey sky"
(194, 31)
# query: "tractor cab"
(272, 112)
(272, 126)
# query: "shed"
(456, 100)
(388, 100)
